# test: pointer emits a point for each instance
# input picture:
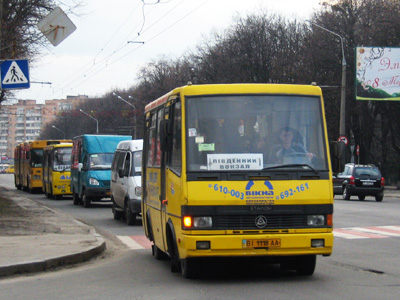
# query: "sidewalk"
(36, 238)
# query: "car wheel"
(129, 216)
(306, 265)
(361, 197)
(346, 193)
(190, 268)
(86, 200)
(116, 213)
(379, 197)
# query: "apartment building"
(24, 120)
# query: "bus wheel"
(86, 200)
(175, 262)
(190, 268)
(306, 265)
(158, 254)
(28, 187)
(129, 216)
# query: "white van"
(126, 181)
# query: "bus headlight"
(316, 220)
(93, 181)
(197, 222)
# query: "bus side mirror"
(80, 167)
(166, 135)
(337, 150)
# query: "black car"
(359, 180)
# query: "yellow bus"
(31, 163)
(57, 170)
(238, 170)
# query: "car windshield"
(62, 159)
(36, 158)
(255, 132)
(101, 161)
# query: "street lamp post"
(134, 115)
(342, 123)
(97, 122)
(59, 130)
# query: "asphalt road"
(363, 265)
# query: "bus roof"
(40, 144)
(240, 88)
(61, 145)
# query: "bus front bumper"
(256, 245)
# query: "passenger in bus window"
(291, 149)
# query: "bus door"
(163, 114)
(153, 181)
(161, 163)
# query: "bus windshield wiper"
(290, 166)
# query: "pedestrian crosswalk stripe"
(139, 242)
(136, 242)
(374, 232)
(353, 233)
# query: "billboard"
(377, 73)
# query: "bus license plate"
(270, 243)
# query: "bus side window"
(152, 140)
(160, 116)
(176, 153)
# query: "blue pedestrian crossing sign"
(14, 74)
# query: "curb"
(54, 262)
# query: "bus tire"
(129, 216)
(158, 253)
(49, 194)
(190, 268)
(306, 265)
(150, 235)
(173, 251)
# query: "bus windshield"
(62, 159)
(36, 158)
(255, 132)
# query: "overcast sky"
(97, 57)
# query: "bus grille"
(249, 222)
